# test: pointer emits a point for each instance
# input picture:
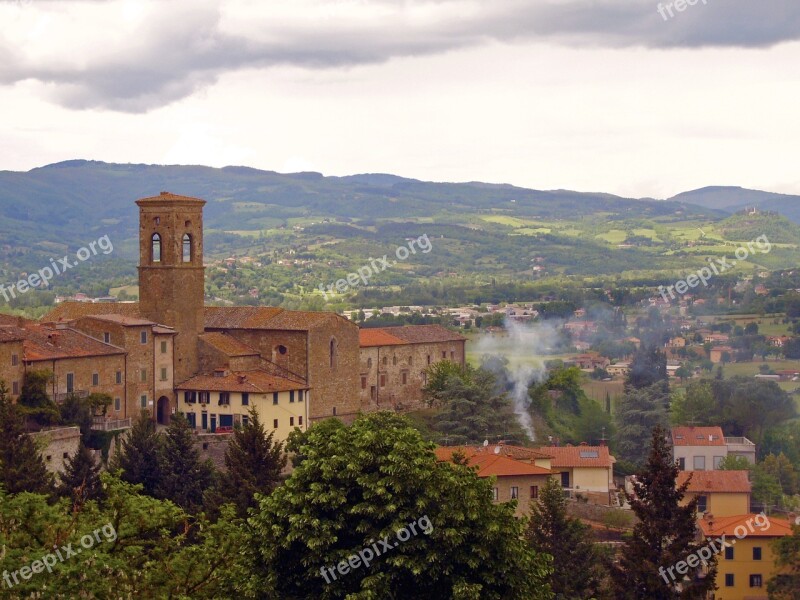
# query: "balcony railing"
(103, 424)
(738, 441)
(61, 396)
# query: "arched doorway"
(162, 411)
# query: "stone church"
(210, 363)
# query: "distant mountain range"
(734, 199)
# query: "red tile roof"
(515, 452)
(490, 464)
(264, 317)
(46, 343)
(423, 334)
(172, 198)
(69, 311)
(697, 436)
(725, 482)
(253, 382)
(760, 526)
(227, 344)
(124, 320)
(370, 338)
(579, 456)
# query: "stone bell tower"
(171, 272)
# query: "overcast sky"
(588, 95)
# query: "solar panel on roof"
(590, 454)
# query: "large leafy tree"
(695, 406)
(21, 466)
(184, 477)
(664, 535)
(577, 564)
(137, 547)
(35, 401)
(785, 585)
(359, 485)
(139, 455)
(254, 461)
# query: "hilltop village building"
(169, 353)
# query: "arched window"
(156, 248)
(187, 248)
(333, 353)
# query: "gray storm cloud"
(186, 46)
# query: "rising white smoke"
(524, 348)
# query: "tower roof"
(169, 197)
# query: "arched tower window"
(187, 248)
(333, 353)
(156, 248)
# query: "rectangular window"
(405, 378)
(755, 581)
(300, 421)
(119, 377)
(702, 503)
(334, 411)
(717, 462)
(291, 395)
(224, 398)
(495, 494)
(275, 398)
(363, 383)
(383, 380)
(143, 337)
(245, 420)
(757, 553)
(728, 579)
(204, 397)
(275, 423)
(95, 379)
(15, 388)
(373, 392)
(245, 399)
(729, 553)
(144, 400)
(144, 375)
(70, 382)
(291, 421)
(117, 404)
(14, 360)
(534, 492)
(444, 354)
(163, 373)
(107, 337)
(699, 463)
(682, 464)
(514, 492)
(429, 359)
(190, 397)
(163, 347)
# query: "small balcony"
(61, 396)
(104, 424)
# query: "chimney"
(242, 378)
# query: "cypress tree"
(664, 536)
(80, 480)
(139, 455)
(21, 466)
(183, 476)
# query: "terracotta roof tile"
(515, 452)
(759, 526)
(579, 456)
(228, 345)
(47, 343)
(171, 197)
(727, 482)
(490, 464)
(124, 320)
(697, 436)
(421, 334)
(253, 382)
(69, 311)
(369, 338)
(239, 317)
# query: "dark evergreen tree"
(254, 462)
(577, 565)
(139, 455)
(80, 480)
(184, 478)
(637, 413)
(664, 535)
(649, 366)
(34, 400)
(21, 466)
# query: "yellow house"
(220, 401)
(721, 493)
(748, 562)
(585, 470)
